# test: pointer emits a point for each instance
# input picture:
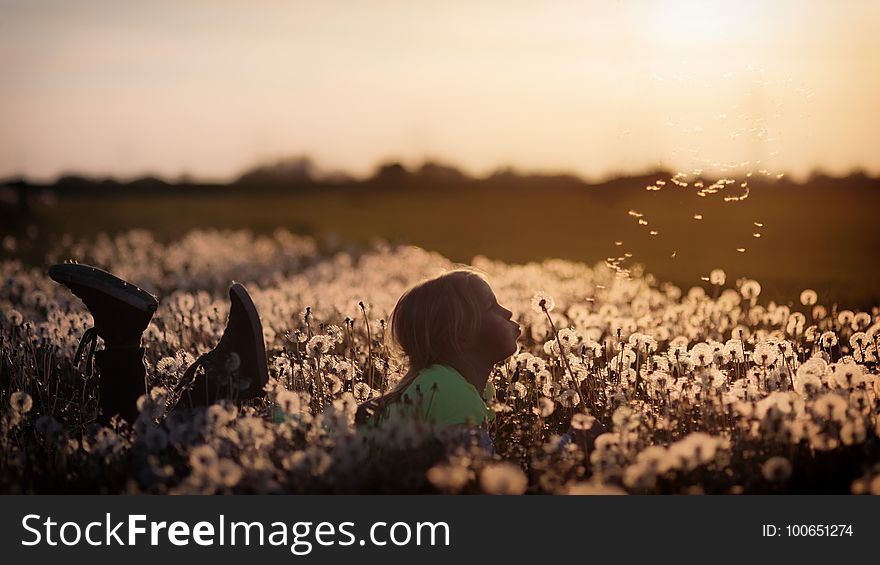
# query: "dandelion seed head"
(809, 297)
(503, 479)
(776, 469)
(542, 302)
(20, 402)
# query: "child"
(236, 368)
(451, 328)
(453, 331)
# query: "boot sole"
(104, 282)
(251, 310)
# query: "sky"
(210, 88)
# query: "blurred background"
(677, 134)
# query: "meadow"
(622, 384)
(820, 233)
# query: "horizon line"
(319, 174)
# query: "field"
(621, 385)
(819, 234)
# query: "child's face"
(496, 340)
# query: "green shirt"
(454, 401)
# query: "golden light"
(689, 23)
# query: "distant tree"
(391, 175)
(285, 173)
(442, 174)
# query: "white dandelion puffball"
(503, 478)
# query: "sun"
(690, 23)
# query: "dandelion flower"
(288, 401)
(806, 383)
(503, 478)
(569, 398)
(702, 354)
(226, 473)
(718, 277)
(776, 469)
(764, 354)
(544, 408)
(581, 421)
(542, 302)
(345, 370)
(809, 297)
(449, 478)
(750, 289)
(362, 392)
(319, 345)
(828, 339)
(830, 406)
(859, 340)
(203, 458)
(333, 384)
(14, 317)
(20, 402)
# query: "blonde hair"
(429, 325)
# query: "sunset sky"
(596, 88)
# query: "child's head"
(450, 317)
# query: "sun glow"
(684, 23)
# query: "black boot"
(236, 369)
(121, 312)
